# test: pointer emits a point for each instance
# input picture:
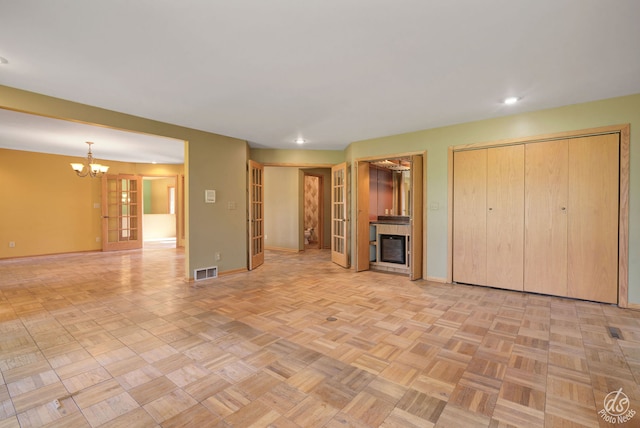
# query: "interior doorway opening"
(159, 211)
(313, 211)
(389, 214)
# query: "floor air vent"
(615, 332)
(205, 273)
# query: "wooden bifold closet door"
(469, 217)
(571, 222)
(489, 217)
(593, 218)
(505, 217)
(539, 217)
(546, 193)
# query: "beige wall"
(284, 206)
(157, 222)
(281, 208)
(212, 161)
(47, 208)
(158, 226)
(160, 194)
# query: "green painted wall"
(436, 142)
(146, 198)
(212, 161)
(298, 157)
(217, 162)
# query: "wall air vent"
(205, 273)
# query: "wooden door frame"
(417, 210)
(623, 220)
(362, 252)
(361, 235)
(302, 167)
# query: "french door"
(256, 214)
(339, 220)
(121, 212)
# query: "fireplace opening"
(393, 249)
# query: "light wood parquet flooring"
(121, 340)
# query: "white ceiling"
(332, 72)
(42, 134)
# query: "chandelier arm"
(89, 167)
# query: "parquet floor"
(120, 340)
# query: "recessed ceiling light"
(300, 140)
(511, 100)
(3, 60)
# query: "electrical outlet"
(97, 239)
(56, 403)
(217, 255)
(12, 244)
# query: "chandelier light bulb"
(90, 168)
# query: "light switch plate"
(210, 196)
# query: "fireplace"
(393, 249)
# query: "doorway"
(313, 211)
(159, 211)
(389, 214)
(284, 208)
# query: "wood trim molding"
(450, 216)
(623, 220)
(389, 156)
(634, 306)
(613, 129)
(232, 272)
(298, 165)
(423, 153)
(288, 250)
(623, 228)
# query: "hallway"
(121, 340)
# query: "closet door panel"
(545, 219)
(593, 218)
(505, 217)
(469, 217)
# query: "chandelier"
(90, 167)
